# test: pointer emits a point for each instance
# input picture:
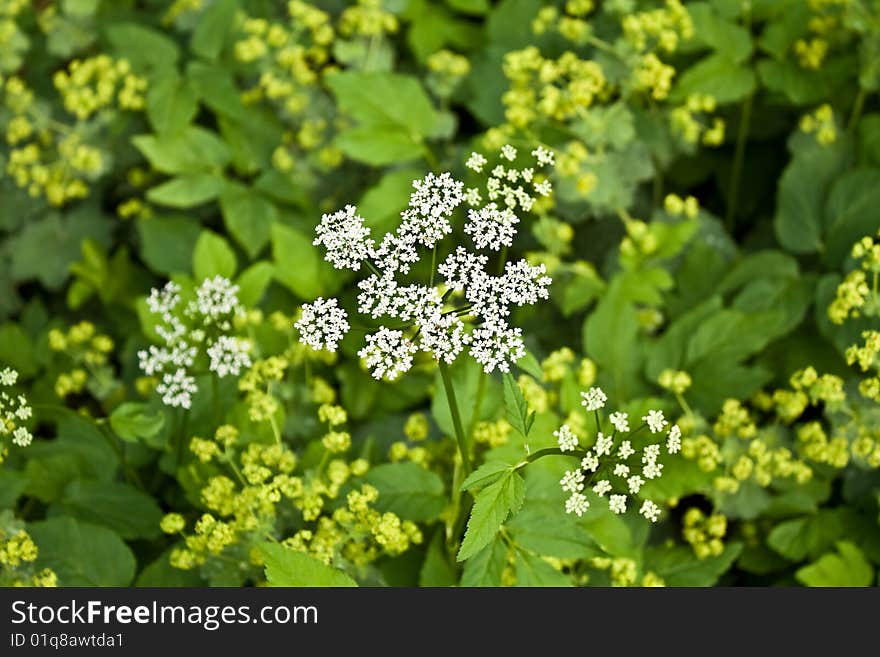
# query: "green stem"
(857, 109)
(130, 473)
(460, 436)
(181, 440)
(433, 264)
(738, 160)
(478, 405)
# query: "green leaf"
(388, 100)
(120, 507)
(82, 554)
(248, 217)
(212, 29)
(379, 145)
(133, 420)
(851, 212)
(253, 281)
(213, 256)
(191, 150)
(515, 406)
(143, 47)
(167, 243)
(187, 191)
(171, 103)
(408, 490)
(17, 350)
(802, 188)
(492, 506)
(718, 76)
(532, 570)
(847, 567)
(393, 112)
(486, 566)
(809, 536)
(381, 205)
(725, 37)
(288, 567)
(540, 528)
(869, 140)
(486, 474)
(12, 485)
(679, 566)
(436, 570)
(297, 264)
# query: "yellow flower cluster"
(559, 89)
(416, 427)
(90, 85)
(734, 419)
(356, 533)
(677, 382)
(859, 293)
(822, 123)
(664, 28)
(257, 384)
(652, 76)
(558, 364)
(367, 18)
(492, 434)
(571, 25)
(762, 464)
(88, 352)
(18, 552)
(705, 534)
(811, 53)
(446, 70)
(816, 446)
(691, 121)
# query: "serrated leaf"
(486, 566)
(288, 567)
(126, 510)
(492, 507)
(486, 474)
(515, 405)
(532, 570)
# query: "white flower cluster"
(14, 409)
(611, 464)
(204, 325)
(431, 321)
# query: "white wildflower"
(572, 481)
(473, 197)
(673, 440)
(568, 441)
(621, 470)
(497, 345)
(656, 421)
(229, 355)
(617, 504)
(603, 444)
(322, 324)
(590, 462)
(544, 188)
(650, 510)
(577, 503)
(216, 299)
(635, 484)
(8, 377)
(593, 399)
(653, 470)
(619, 421)
(476, 162)
(544, 156)
(388, 354)
(177, 388)
(602, 487)
(22, 437)
(491, 227)
(345, 238)
(508, 152)
(651, 453)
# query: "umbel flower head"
(202, 328)
(469, 307)
(14, 411)
(618, 464)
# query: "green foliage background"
(227, 155)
